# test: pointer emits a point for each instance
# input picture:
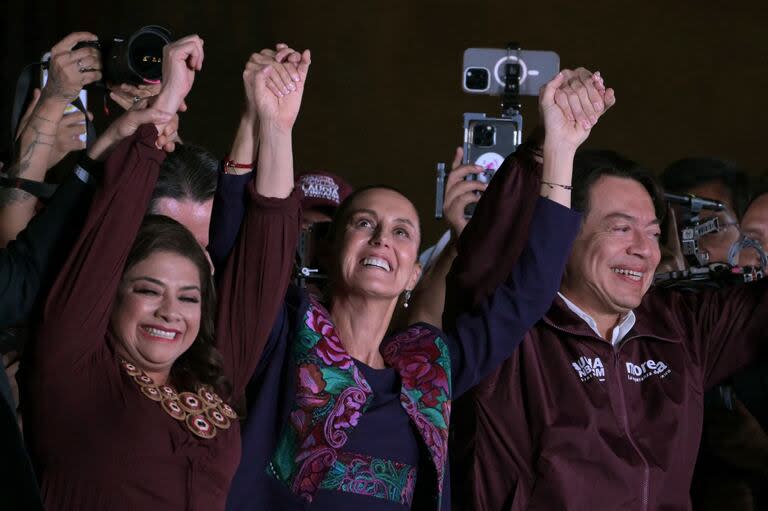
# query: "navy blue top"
(478, 343)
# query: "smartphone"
(489, 140)
(70, 108)
(484, 69)
(487, 143)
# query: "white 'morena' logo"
(638, 373)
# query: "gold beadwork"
(204, 412)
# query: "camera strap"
(36, 188)
(24, 83)
(90, 130)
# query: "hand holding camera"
(133, 97)
(70, 69)
(69, 131)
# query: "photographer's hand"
(133, 97)
(181, 59)
(459, 193)
(68, 132)
(70, 70)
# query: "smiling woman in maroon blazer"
(126, 395)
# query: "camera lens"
(476, 78)
(484, 135)
(146, 54)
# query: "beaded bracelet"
(553, 185)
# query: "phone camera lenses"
(476, 79)
(484, 135)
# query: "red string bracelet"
(232, 164)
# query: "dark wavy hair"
(201, 364)
(190, 172)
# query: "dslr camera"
(136, 59)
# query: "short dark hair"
(190, 172)
(201, 364)
(687, 173)
(590, 165)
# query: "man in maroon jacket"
(601, 405)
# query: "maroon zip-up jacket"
(569, 421)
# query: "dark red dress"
(97, 442)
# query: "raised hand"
(275, 85)
(70, 70)
(127, 124)
(181, 60)
(571, 104)
(460, 193)
(258, 62)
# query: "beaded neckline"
(203, 412)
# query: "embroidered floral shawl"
(332, 395)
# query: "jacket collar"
(647, 324)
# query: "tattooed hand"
(70, 70)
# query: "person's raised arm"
(230, 200)
(569, 106)
(277, 115)
(258, 272)
(473, 276)
(487, 336)
(45, 131)
(82, 296)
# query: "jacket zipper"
(617, 369)
(625, 422)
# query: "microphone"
(695, 204)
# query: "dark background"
(384, 100)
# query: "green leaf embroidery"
(445, 360)
(283, 461)
(336, 380)
(435, 417)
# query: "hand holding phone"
(461, 193)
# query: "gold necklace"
(203, 412)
